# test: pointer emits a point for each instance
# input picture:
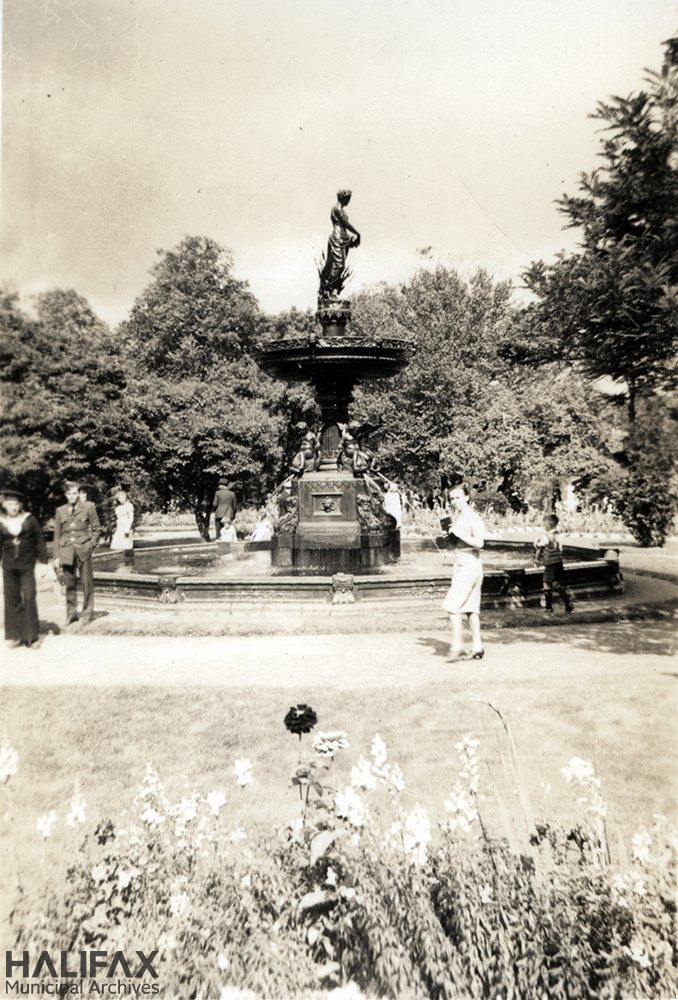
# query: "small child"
(549, 551)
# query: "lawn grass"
(105, 736)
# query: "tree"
(208, 407)
(462, 409)
(192, 313)
(647, 498)
(613, 305)
(64, 413)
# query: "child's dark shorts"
(555, 573)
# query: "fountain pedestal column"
(330, 536)
(334, 525)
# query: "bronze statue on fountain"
(331, 514)
(307, 459)
(334, 272)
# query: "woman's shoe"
(456, 655)
(476, 654)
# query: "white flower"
(124, 878)
(215, 801)
(351, 806)
(462, 809)
(330, 877)
(179, 904)
(78, 806)
(243, 771)
(378, 751)
(467, 746)
(187, 809)
(327, 744)
(641, 846)
(417, 834)
(152, 817)
(362, 776)
(638, 884)
(100, 872)
(639, 954)
(396, 778)
(238, 834)
(167, 942)
(246, 881)
(485, 894)
(45, 823)
(349, 992)
(580, 769)
(9, 761)
(222, 962)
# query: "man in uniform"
(76, 536)
(225, 507)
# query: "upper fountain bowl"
(317, 359)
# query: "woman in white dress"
(123, 537)
(467, 534)
(393, 505)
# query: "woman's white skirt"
(463, 597)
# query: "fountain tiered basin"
(240, 575)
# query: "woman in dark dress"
(23, 544)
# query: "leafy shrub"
(357, 893)
(490, 502)
(648, 505)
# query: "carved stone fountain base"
(330, 537)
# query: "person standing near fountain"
(22, 544)
(393, 504)
(123, 536)
(341, 239)
(467, 533)
(225, 507)
(76, 535)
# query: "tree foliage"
(64, 411)
(613, 305)
(647, 498)
(208, 407)
(462, 410)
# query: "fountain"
(332, 517)
(334, 543)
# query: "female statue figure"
(341, 239)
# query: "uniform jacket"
(225, 504)
(76, 533)
(23, 550)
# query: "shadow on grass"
(438, 647)
(621, 638)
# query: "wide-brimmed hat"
(12, 493)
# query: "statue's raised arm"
(334, 272)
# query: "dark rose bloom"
(301, 719)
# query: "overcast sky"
(128, 124)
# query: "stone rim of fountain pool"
(592, 571)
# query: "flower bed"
(360, 895)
